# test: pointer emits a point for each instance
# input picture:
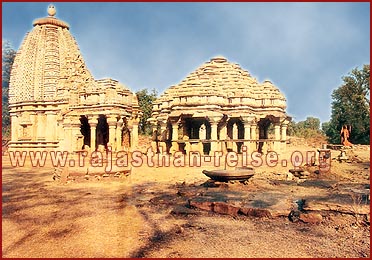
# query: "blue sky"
(303, 48)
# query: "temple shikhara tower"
(56, 104)
(221, 107)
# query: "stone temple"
(56, 104)
(220, 107)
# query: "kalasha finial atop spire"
(52, 10)
(51, 19)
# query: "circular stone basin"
(238, 174)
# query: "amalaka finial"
(51, 10)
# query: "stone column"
(247, 134)
(40, 133)
(235, 137)
(67, 134)
(277, 147)
(60, 132)
(253, 145)
(51, 122)
(284, 136)
(284, 132)
(118, 136)
(223, 138)
(93, 121)
(33, 127)
(77, 140)
(162, 144)
(214, 138)
(134, 142)
(174, 147)
(223, 132)
(112, 122)
(14, 127)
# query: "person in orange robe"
(345, 134)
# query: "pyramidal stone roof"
(221, 84)
(48, 63)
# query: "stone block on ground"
(255, 212)
(311, 218)
(339, 203)
(201, 204)
(225, 208)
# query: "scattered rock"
(254, 212)
(294, 216)
(311, 218)
(351, 208)
(229, 209)
(201, 204)
(179, 230)
(225, 208)
(300, 173)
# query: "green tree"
(145, 101)
(291, 130)
(325, 127)
(308, 128)
(8, 55)
(312, 123)
(350, 106)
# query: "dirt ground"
(146, 214)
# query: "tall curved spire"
(48, 64)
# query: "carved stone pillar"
(77, 139)
(51, 122)
(253, 145)
(174, 147)
(175, 131)
(14, 126)
(223, 138)
(214, 138)
(40, 132)
(112, 122)
(277, 132)
(162, 143)
(277, 147)
(134, 142)
(33, 127)
(247, 134)
(215, 142)
(60, 132)
(235, 137)
(284, 132)
(118, 136)
(67, 134)
(284, 135)
(93, 121)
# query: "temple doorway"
(85, 131)
(235, 131)
(102, 132)
(263, 132)
(199, 129)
